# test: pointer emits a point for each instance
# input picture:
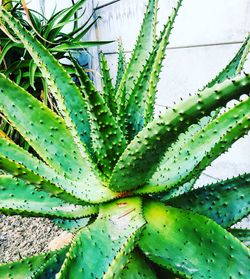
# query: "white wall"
(48, 6)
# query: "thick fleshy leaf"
(226, 202)
(108, 90)
(137, 268)
(140, 54)
(200, 150)
(32, 119)
(175, 192)
(4, 136)
(235, 66)
(102, 249)
(162, 43)
(107, 138)
(192, 245)
(230, 71)
(61, 86)
(20, 197)
(57, 146)
(143, 155)
(21, 164)
(18, 170)
(242, 234)
(39, 267)
(177, 147)
(121, 67)
(140, 107)
(72, 225)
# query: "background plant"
(16, 62)
(123, 179)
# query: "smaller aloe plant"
(121, 178)
(17, 64)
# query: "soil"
(21, 237)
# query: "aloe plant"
(122, 178)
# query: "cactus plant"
(106, 156)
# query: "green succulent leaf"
(18, 196)
(72, 225)
(68, 97)
(235, 66)
(176, 191)
(242, 234)
(161, 44)
(232, 69)
(107, 137)
(121, 67)
(226, 202)
(57, 146)
(108, 89)
(135, 109)
(139, 110)
(142, 156)
(39, 267)
(137, 268)
(102, 249)
(192, 245)
(19, 171)
(200, 150)
(176, 148)
(140, 54)
(22, 164)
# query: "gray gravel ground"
(21, 237)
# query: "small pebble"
(21, 237)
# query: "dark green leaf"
(103, 248)
(226, 202)
(192, 245)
